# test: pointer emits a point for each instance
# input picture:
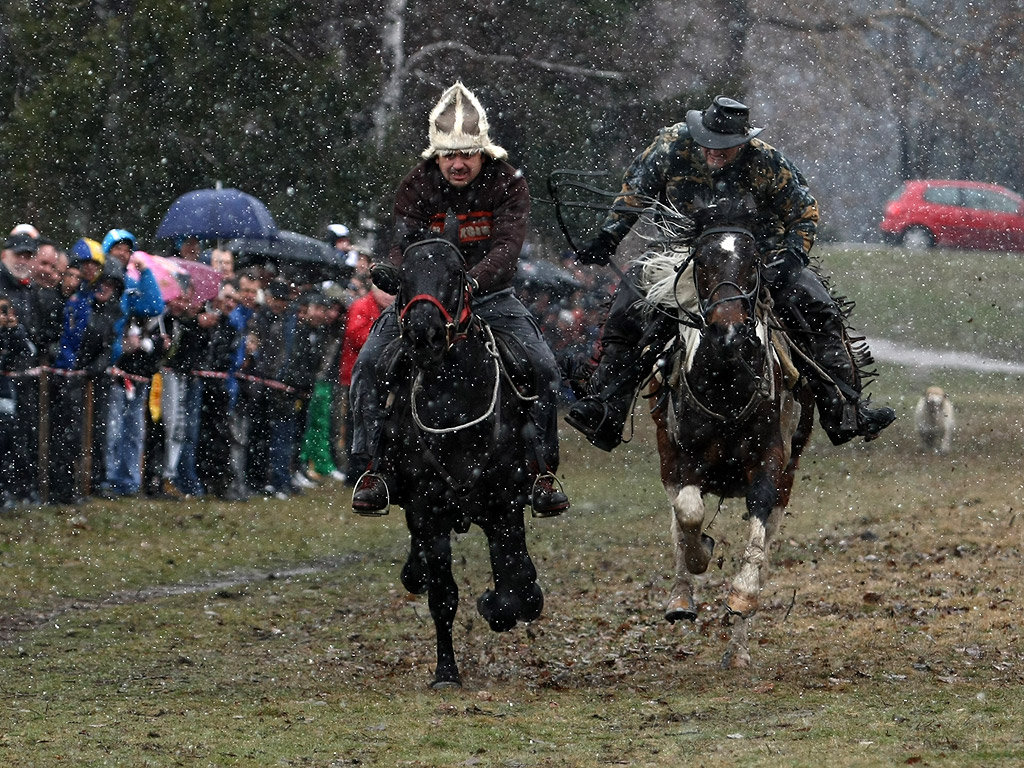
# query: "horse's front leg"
(516, 595)
(443, 599)
(693, 549)
(414, 573)
(764, 515)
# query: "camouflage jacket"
(672, 171)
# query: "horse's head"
(726, 274)
(434, 299)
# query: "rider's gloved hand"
(386, 277)
(781, 267)
(597, 251)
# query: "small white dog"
(934, 420)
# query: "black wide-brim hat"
(726, 123)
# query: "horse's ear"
(451, 228)
(406, 237)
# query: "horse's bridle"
(747, 297)
(457, 322)
(750, 298)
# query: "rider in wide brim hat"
(726, 123)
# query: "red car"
(957, 214)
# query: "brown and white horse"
(728, 421)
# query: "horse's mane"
(661, 284)
(675, 235)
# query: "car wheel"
(918, 239)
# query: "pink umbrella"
(204, 279)
(176, 276)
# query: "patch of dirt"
(14, 625)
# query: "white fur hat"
(459, 124)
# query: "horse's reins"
(492, 351)
(457, 327)
(463, 487)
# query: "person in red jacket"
(362, 314)
(463, 173)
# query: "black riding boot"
(842, 412)
(547, 497)
(631, 341)
(601, 415)
(374, 491)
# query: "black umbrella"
(545, 276)
(305, 254)
(217, 214)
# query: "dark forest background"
(111, 109)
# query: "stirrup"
(556, 485)
(371, 512)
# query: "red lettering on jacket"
(473, 227)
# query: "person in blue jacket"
(132, 350)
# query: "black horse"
(456, 437)
(728, 421)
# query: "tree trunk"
(393, 47)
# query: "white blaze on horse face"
(729, 244)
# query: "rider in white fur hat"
(462, 172)
(459, 124)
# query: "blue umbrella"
(217, 214)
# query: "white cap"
(26, 229)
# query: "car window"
(987, 200)
(943, 195)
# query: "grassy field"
(277, 634)
(961, 300)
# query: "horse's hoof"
(501, 614)
(697, 562)
(414, 576)
(441, 685)
(680, 609)
(532, 603)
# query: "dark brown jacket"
(492, 213)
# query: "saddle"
(515, 363)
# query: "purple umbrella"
(217, 214)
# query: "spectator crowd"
(108, 389)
